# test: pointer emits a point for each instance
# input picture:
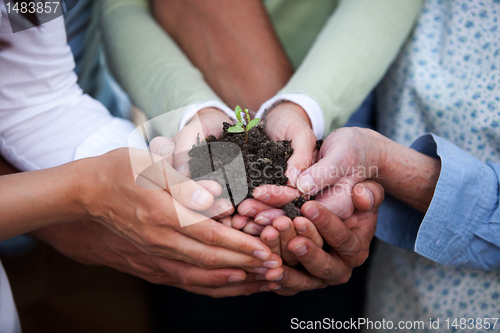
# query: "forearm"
(233, 43)
(36, 199)
(149, 65)
(351, 55)
(405, 173)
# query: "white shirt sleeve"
(309, 104)
(193, 109)
(44, 115)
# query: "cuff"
(465, 196)
(309, 104)
(194, 108)
(115, 134)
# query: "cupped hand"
(347, 157)
(349, 241)
(91, 243)
(288, 121)
(150, 216)
(206, 121)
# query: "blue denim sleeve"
(462, 224)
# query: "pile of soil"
(263, 160)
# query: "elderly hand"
(349, 242)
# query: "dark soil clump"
(240, 162)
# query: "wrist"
(288, 106)
(88, 183)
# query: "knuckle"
(325, 271)
(305, 285)
(185, 280)
(361, 257)
(207, 260)
(344, 278)
(342, 239)
(210, 236)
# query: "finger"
(229, 291)
(367, 196)
(188, 192)
(287, 233)
(191, 275)
(164, 147)
(270, 237)
(267, 217)
(294, 281)
(303, 144)
(211, 186)
(198, 128)
(331, 228)
(337, 199)
(222, 207)
(306, 228)
(202, 255)
(250, 207)
(275, 196)
(213, 233)
(252, 228)
(184, 140)
(239, 221)
(226, 221)
(318, 262)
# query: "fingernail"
(301, 228)
(262, 220)
(261, 255)
(235, 278)
(224, 207)
(272, 239)
(260, 277)
(183, 170)
(305, 184)
(166, 149)
(285, 229)
(264, 197)
(311, 212)
(271, 264)
(212, 191)
(278, 287)
(369, 196)
(279, 278)
(264, 288)
(251, 212)
(260, 270)
(293, 174)
(201, 197)
(300, 250)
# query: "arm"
(350, 56)
(234, 45)
(458, 193)
(149, 65)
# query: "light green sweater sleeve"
(149, 65)
(351, 55)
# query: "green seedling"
(240, 127)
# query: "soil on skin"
(265, 162)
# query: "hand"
(206, 121)
(90, 243)
(288, 121)
(283, 229)
(351, 155)
(349, 242)
(149, 216)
